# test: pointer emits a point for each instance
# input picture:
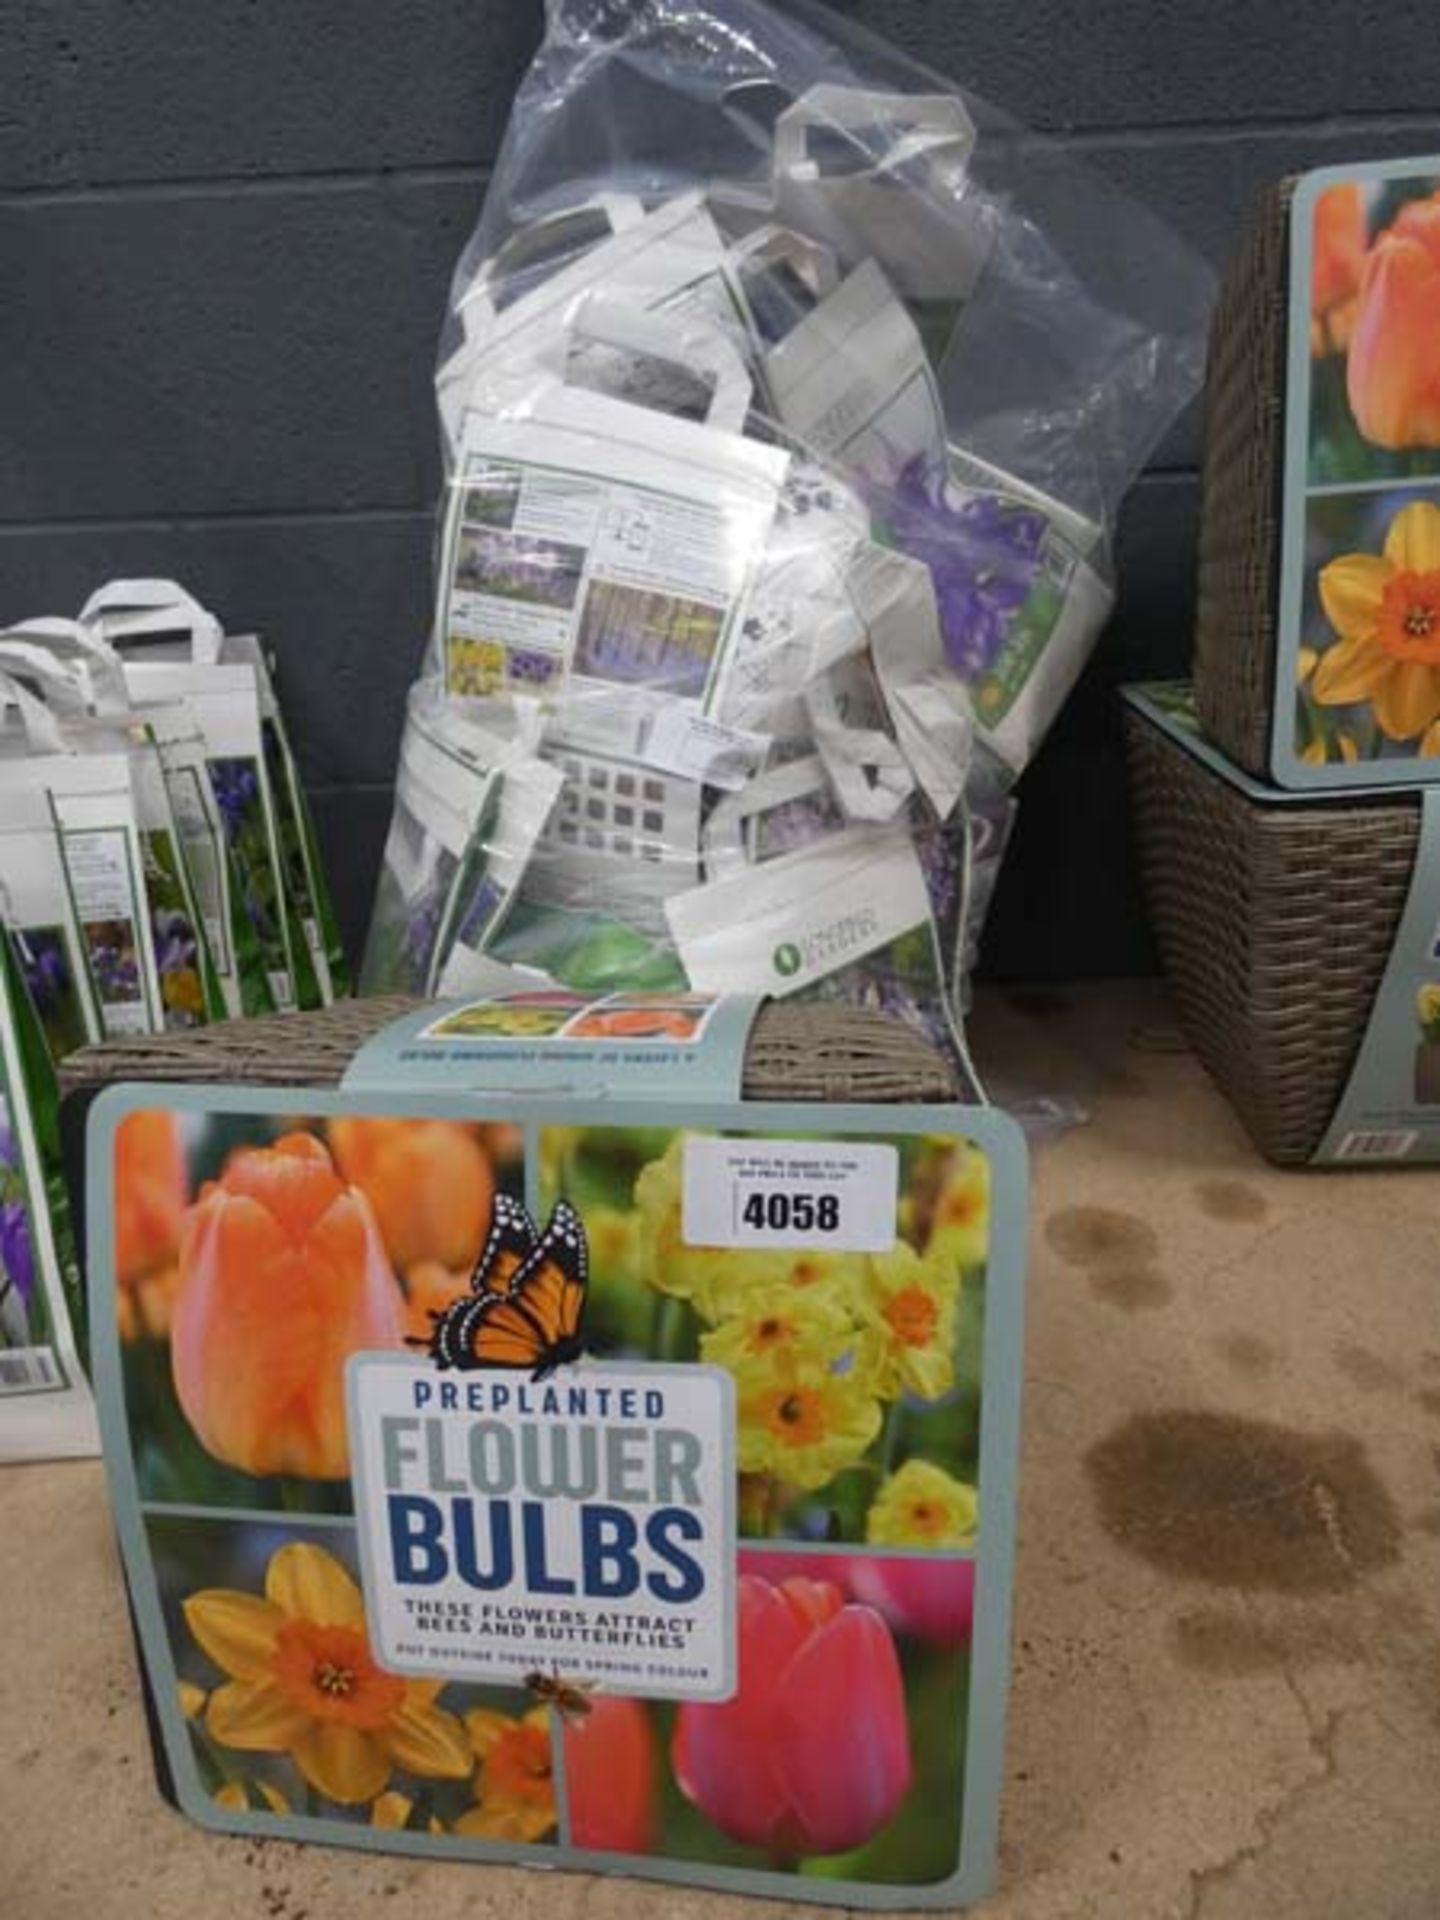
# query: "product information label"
(549, 1039)
(790, 1193)
(781, 926)
(580, 1527)
(102, 874)
(597, 560)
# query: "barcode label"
(24, 1369)
(1376, 1146)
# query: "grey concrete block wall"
(226, 232)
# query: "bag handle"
(43, 737)
(815, 264)
(914, 125)
(682, 340)
(103, 667)
(124, 608)
(476, 306)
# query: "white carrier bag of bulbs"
(787, 397)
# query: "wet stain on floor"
(1231, 1200)
(1367, 1370)
(1429, 1399)
(1216, 1641)
(1247, 1353)
(1132, 1289)
(1101, 1236)
(1239, 1503)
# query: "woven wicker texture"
(1242, 489)
(794, 1053)
(1275, 924)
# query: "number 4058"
(792, 1212)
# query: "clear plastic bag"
(787, 394)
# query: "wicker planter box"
(1275, 920)
(1242, 487)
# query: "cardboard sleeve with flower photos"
(1320, 548)
(473, 1506)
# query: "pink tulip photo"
(812, 1756)
(927, 1599)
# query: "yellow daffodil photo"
(803, 1422)
(913, 1300)
(923, 1506)
(849, 1366)
(289, 1714)
(300, 1680)
(1384, 610)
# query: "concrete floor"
(1227, 1681)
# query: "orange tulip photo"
(639, 1021)
(253, 1258)
(1374, 325)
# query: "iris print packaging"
(609, 1472)
(125, 889)
(307, 888)
(95, 804)
(159, 621)
(225, 703)
(469, 804)
(787, 397)
(45, 1405)
(235, 948)
(47, 941)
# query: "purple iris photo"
(983, 553)
(47, 977)
(236, 790)
(17, 1256)
(421, 932)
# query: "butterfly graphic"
(526, 1299)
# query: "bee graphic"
(526, 1299)
(570, 1698)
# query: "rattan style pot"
(793, 1053)
(1242, 485)
(1275, 920)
